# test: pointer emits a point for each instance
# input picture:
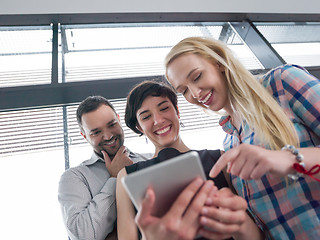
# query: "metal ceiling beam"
(14, 98)
(87, 18)
(65, 93)
(315, 71)
(260, 47)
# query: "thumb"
(144, 216)
(106, 157)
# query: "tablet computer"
(168, 179)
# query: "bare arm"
(127, 229)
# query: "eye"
(185, 91)
(165, 108)
(146, 117)
(112, 124)
(197, 77)
(95, 133)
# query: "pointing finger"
(223, 161)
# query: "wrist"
(248, 230)
(300, 167)
(298, 160)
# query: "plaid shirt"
(285, 211)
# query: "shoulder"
(75, 172)
(209, 158)
(286, 68)
(212, 154)
(136, 157)
(140, 165)
(288, 73)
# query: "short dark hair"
(90, 104)
(139, 93)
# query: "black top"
(208, 159)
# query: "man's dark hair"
(90, 104)
(139, 93)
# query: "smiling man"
(87, 192)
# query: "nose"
(195, 91)
(157, 119)
(107, 135)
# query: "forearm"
(311, 158)
(127, 228)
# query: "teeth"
(163, 131)
(110, 143)
(207, 98)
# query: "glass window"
(107, 51)
(25, 56)
(32, 161)
(297, 43)
(29, 186)
(31, 130)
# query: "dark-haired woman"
(214, 214)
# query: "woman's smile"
(163, 131)
(207, 99)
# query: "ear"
(139, 128)
(220, 67)
(118, 117)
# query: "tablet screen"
(168, 179)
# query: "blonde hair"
(248, 98)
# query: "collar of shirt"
(225, 123)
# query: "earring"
(146, 139)
(181, 124)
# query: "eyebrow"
(189, 74)
(159, 104)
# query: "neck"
(235, 117)
(179, 145)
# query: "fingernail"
(204, 211)
(147, 196)
(209, 184)
(203, 220)
(215, 190)
(198, 182)
(228, 167)
(209, 201)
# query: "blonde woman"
(272, 126)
